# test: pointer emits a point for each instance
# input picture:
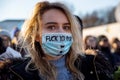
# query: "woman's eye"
(51, 27)
(66, 27)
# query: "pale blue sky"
(21, 9)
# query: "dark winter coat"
(93, 68)
(96, 68)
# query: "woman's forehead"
(54, 15)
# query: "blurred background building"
(108, 25)
(10, 24)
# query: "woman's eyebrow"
(56, 23)
(50, 23)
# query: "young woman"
(53, 40)
(90, 42)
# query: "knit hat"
(4, 32)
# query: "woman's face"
(55, 21)
(104, 42)
(91, 42)
(6, 41)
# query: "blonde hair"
(29, 32)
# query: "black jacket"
(19, 71)
(93, 68)
(96, 68)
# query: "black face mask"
(117, 50)
(106, 49)
(90, 47)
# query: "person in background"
(116, 51)
(81, 24)
(7, 53)
(6, 57)
(53, 40)
(90, 42)
(105, 48)
(15, 38)
(15, 45)
(5, 35)
(6, 50)
(94, 65)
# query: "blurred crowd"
(110, 51)
(9, 46)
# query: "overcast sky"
(21, 9)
